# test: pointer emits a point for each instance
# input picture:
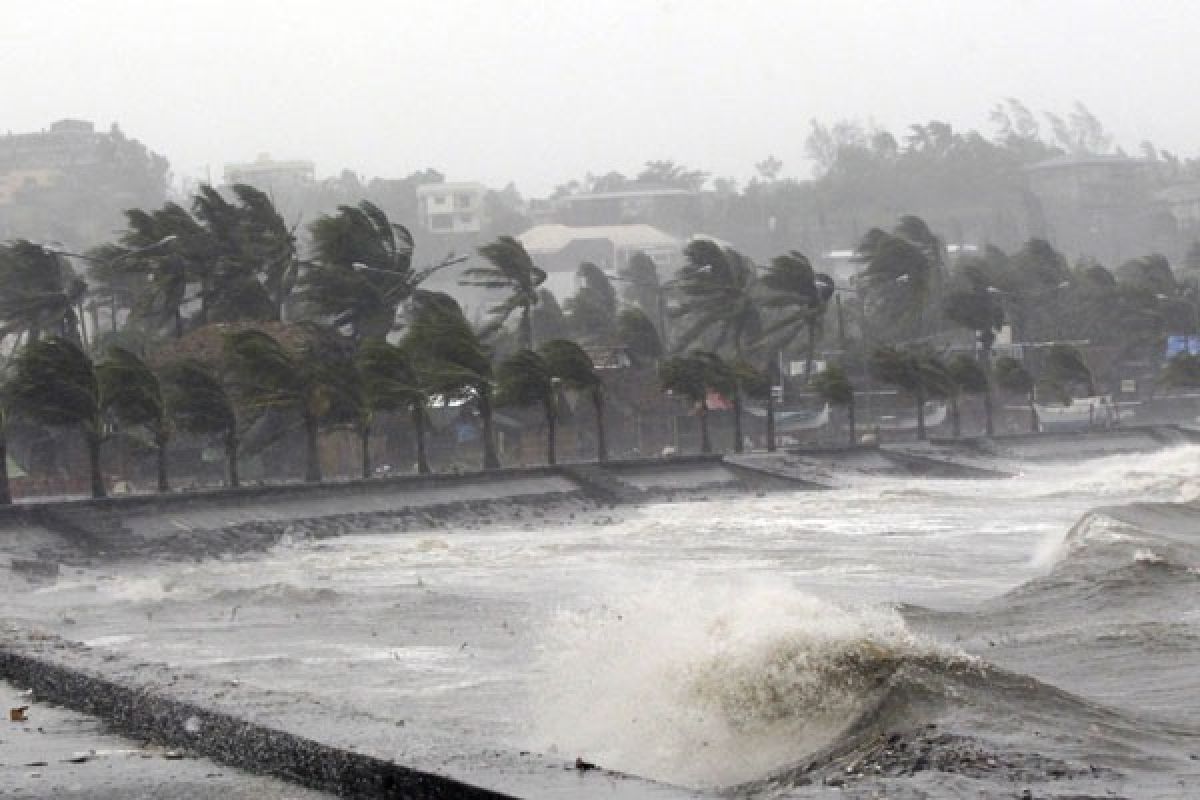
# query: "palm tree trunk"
(490, 459)
(955, 417)
(418, 420)
(705, 442)
(551, 434)
(231, 460)
(920, 416)
(525, 328)
(850, 422)
(5, 489)
(601, 431)
(312, 450)
(93, 448)
(364, 433)
(988, 412)
(178, 323)
(770, 419)
(810, 354)
(1033, 415)
(738, 447)
(163, 484)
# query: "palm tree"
(834, 387)
(718, 290)
(977, 309)
(643, 290)
(363, 272)
(573, 367)
(55, 384)
(267, 243)
(966, 376)
(548, 318)
(593, 309)
(134, 395)
(451, 359)
(39, 293)
(899, 277)
(1012, 376)
(200, 403)
(524, 379)
(318, 384)
(512, 269)
(917, 374)
(1065, 365)
(390, 383)
(165, 274)
(692, 375)
(802, 296)
(639, 337)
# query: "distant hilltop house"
(267, 174)
(632, 203)
(29, 160)
(448, 208)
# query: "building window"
(462, 200)
(441, 222)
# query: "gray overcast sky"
(542, 92)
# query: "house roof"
(553, 237)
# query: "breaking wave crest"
(712, 685)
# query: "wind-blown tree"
(201, 404)
(639, 337)
(452, 360)
(524, 379)
(390, 383)
(974, 307)
(165, 273)
(966, 376)
(363, 270)
(914, 373)
(834, 387)
(718, 289)
(899, 277)
(512, 269)
(134, 395)
(1012, 377)
(801, 297)
(231, 288)
(573, 368)
(54, 383)
(593, 309)
(692, 375)
(1038, 271)
(267, 244)
(39, 293)
(318, 384)
(1066, 367)
(1182, 371)
(642, 289)
(548, 318)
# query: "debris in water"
(18, 714)
(583, 766)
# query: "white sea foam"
(709, 684)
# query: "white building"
(266, 174)
(451, 207)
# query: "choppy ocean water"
(893, 638)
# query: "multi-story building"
(268, 174)
(448, 208)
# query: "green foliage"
(1065, 365)
(570, 363)
(639, 336)
(133, 393)
(1012, 376)
(833, 386)
(524, 379)
(198, 400)
(967, 375)
(445, 350)
(593, 309)
(1182, 371)
(548, 318)
(54, 383)
(389, 380)
(641, 287)
(513, 270)
(717, 286)
(38, 292)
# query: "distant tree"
(55, 384)
(690, 376)
(639, 337)
(914, 373)
(802, 298)
(668, 173)
(317, 383)
(548, 318)
(965, 376)
(974, 307)
(164, 274)
(898, 281)
(1065, 366)
(390, 383)
(200, 403)
(452, 361)
(1012, 376)
(512, 269)
(524, 379)
(833, 386)
(643, 289)
(39, 293)
(1182, 371)
(571, 365)
(593, 309)
(134, 395)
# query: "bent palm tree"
(451, 360)
(55, 384)
(1012, 376)
(134, 395)
(966, 376)
(524, 379)
(390, 383)
(201, 404)
(834, 387)
(692, 375)
(570, 364)
(38, 293)
(512, 269)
